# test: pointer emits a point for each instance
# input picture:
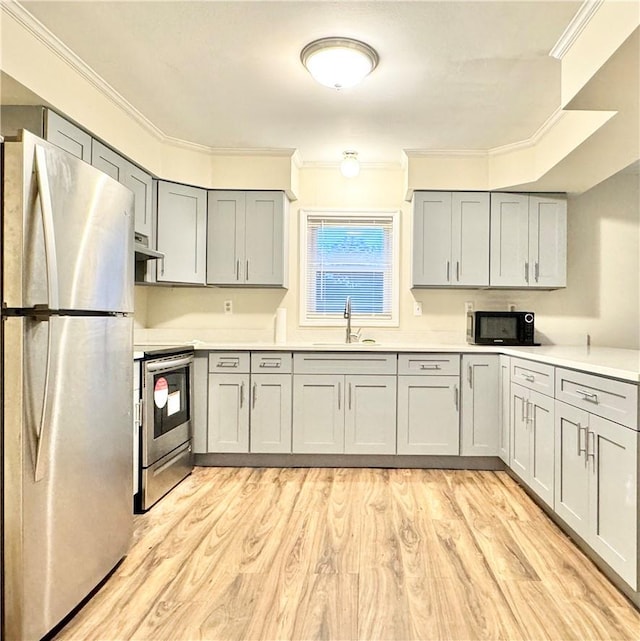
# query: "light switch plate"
(417, 308)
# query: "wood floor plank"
(332, 554)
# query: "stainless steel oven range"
(165, 430)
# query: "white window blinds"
(350, 255)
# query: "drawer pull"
(429, 366)
(588, 396)
(230, 363)
(529, 377)
(270, 364)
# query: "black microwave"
(500, 328)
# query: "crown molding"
(542, 131)
(575, 28)
(22, 16)
(428, 153)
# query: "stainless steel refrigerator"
(67, 295)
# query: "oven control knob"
(528, 318)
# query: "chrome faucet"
(347, 315)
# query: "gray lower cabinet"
(337, 414)
(270, 413)
(228, 416)
(480, 420)
(532, 440)
(428, 415)
(504, 408)
(596, 490)
(247, 238)
(181, 233)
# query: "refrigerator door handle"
(42, 436)
(47, 222)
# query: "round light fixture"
(339, 63)
(350, 166)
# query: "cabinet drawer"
(339, 363)
(536, 376)
(429, 364)
(271, 362)
(615, 400)
(236, 362)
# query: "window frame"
(394, 214)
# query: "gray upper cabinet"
(181, 233)
(247, 240)
(68, 136)
(451, 239)
(125, 172)
(528, 241)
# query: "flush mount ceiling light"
(339, 63)
(350, 166)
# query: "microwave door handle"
(44, 191)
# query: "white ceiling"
(452, 75)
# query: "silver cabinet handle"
(429, 366)
(229, 362)
(529, 413)
(339, 395)
(526, 272)
(162, 266)
(255, 395)
(47, 224)
(586, 436)
(238, 269)
(470, 375)
(270, 364)
(591, 454)
(523, 415)
(246, 273)
(242, 394)
(588, 396)
(456, 398)
(457, 270)
(448, 270)
(349, 395)
(529, 377)
(536, 271)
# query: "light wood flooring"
(333, 554)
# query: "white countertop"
(606, 361)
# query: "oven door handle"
(156, 366)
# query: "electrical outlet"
(417, 308)
(228, 307)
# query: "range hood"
(142, 249)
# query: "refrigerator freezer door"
(66, 531)
(67, 232)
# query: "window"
(349, 254)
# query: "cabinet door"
(519, 436)
(68, 136)
(540, 415)
(264, 249)
(228, 424)
(181, 229)
(547, 242)
(370, 418)
(271, 413)
(432, 238)
(571, 478)
(612, 455)
(480, 405)
(509, 251)
(225, 238)
(108, 161)
(470, 239)
(504, 409)
(428, 415)
(141, 184)
(318, 414)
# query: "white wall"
(602, 297)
